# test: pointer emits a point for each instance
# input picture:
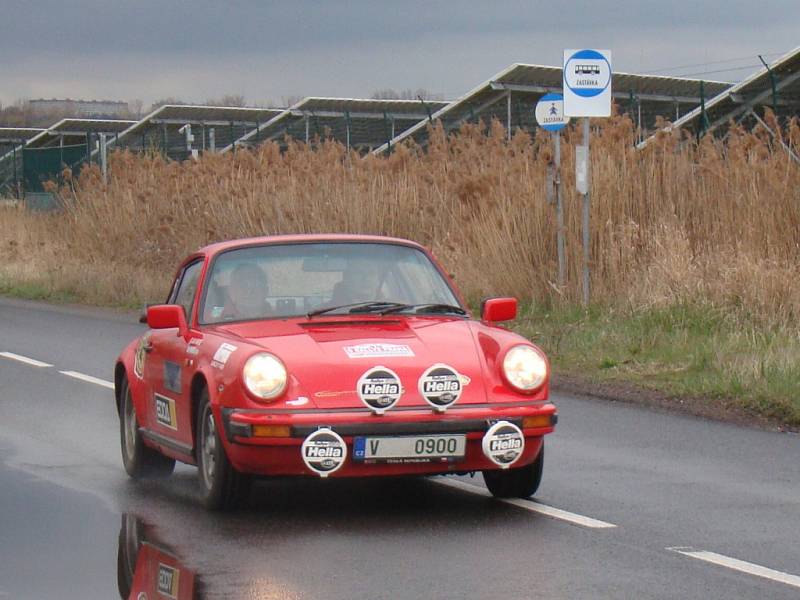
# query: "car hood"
(326, 357)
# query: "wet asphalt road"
(664, 480)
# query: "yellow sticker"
(140, 357)
(168, 578)
(165, 412)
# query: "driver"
(247, 294)
(361, 282)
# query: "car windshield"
(291, 280)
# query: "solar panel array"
(170, 128)
(14, 137)
(360, 124)
(776, 87)
(67, 132)
(183, 131)
(511, 95)
(12, 140)
(64, 133)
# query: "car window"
(187, 289)
(293, 279)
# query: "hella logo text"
(442, 386)
(380, 388)
(318, 452)
(499, 445)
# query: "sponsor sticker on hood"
(378, 350)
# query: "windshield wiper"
(423, 308)
(356, 307)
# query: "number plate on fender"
(410, 448)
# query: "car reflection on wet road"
(147, 568)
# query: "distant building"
(80, 108)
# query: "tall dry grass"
(715, 222)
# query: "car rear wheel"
(222, 486)
(140, 461)
(521, 482)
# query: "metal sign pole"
(16, 178)
(104, 157)
(549, 114)
(586, 214)
(559, 209)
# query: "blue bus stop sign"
(550, 112)
(587, 83)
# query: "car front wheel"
(521, 482)
(139, 460)
(221, 485)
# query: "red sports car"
(329, 355)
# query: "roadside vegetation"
(696, 247)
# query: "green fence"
(47, 164)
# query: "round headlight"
(524, 368)
(264, 375)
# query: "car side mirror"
(499, 309)
(167, 316)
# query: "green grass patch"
(685, 349)
(692, 350)
(34, 290)
(49, 289)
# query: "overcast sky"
(269, 51)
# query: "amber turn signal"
(537, 421)
(271, 431)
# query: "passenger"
(247, 294)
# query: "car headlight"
(264, 376)
(524, 368)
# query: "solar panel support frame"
(761, 122)
(480, 109)
(772, 83)
(539, 89)
(758, 99)
(203, 122)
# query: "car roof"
(218, 247)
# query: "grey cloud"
(268, 50)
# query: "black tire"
(140, 461)
(521, 482)
(221, 486)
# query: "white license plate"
(410, 447)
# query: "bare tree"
(164, 101)
(228, 100)
(135, 108)
(290, 100)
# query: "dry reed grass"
(715, 222)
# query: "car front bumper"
(281, 455)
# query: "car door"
(168, 367)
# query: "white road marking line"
(88, 379)
(530, 505)
(739, 565)
(24, 359)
